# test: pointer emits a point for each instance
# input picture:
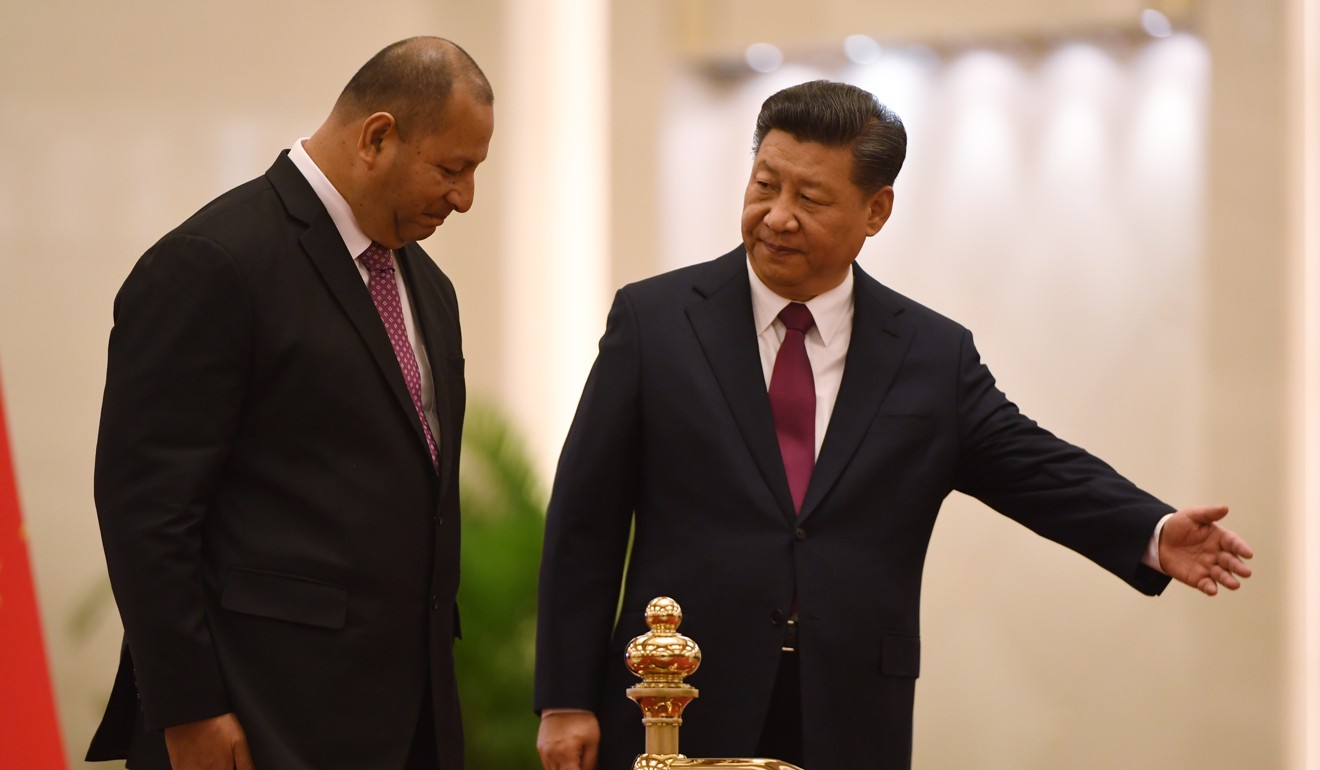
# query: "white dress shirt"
(357, 242)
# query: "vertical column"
(1305, 384)
(1250, 409)
(556, 227)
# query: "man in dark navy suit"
(276, 473)
(779, 431)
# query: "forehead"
(464, 130)
(783, 155)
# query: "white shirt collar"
(830, 310)
(342, 214)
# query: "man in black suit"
(276, 473)
(780, 430)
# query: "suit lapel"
(724, 325)
(879, 342)
(325, 247)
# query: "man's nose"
(781, 217)
(460, 197)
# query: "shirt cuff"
(552, 712)
(1151, 558)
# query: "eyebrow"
(811, 185)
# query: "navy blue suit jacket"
(278, 541)
(674, 436)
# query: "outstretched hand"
(1194, 549)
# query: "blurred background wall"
(1128, 222)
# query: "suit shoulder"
(702, 277)
(228, 211)
(227, 238)
(910, 310)
(238, 222)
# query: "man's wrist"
(1151, 558)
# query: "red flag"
(29, 732)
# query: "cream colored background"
(119, 120)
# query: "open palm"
(1197, 551)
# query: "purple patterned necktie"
(384, 292)
(793, 401)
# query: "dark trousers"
(781, 736)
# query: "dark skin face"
(409, 187)
(803, 220)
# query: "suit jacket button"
(777, 617)
(800, 534)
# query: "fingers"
(1224, 572)
(568, 741)
(560, 762)
(1207, 514)
(208, 744)
(569, 757)
(1234, 543)
(1231, 564)
(242, 757)
(1199, 552)
(560, 757)
(1225, 578)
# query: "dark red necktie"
(385, 293)
(793, 401)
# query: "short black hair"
(412, 80)
(839, 115)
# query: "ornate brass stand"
(663, 658)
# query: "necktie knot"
(797, 316)
(377, 258)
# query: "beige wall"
(1303, 531)
(121, 119)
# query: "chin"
(421, 234)
(786, 268)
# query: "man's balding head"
(412, 80)
(404, 140)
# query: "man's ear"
(879, 207)
(378, 131)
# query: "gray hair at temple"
(839, 115)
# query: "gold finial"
(663, 658)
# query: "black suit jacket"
(674, 434)
(278, 541)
